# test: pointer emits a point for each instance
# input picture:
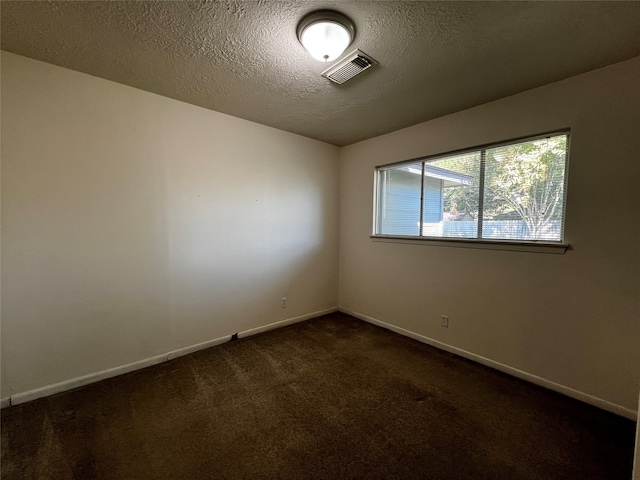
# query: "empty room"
(320, 239)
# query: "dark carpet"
(332, 398)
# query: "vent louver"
(353, 64)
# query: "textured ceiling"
(243, 58)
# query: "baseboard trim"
(284, 323)
(529, 377)
(30, 395)
(200, 346)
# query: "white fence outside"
(498, 229)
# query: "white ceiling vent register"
(353, 64)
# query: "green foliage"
(526, 180)
(522, 181)
(462, 200)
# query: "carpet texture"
(330, 398)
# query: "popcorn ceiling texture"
(243, 58)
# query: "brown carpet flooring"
(332, 398)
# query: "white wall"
(636, 463)
(134, 225)
(571, 319)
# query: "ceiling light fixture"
(326, 34)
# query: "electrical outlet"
(284, 302)
(444, 321)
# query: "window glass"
(399, 208)
(459, 187)
(514, 191)
(524, 190)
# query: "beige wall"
(134, 225)
(571, 319)
(636, 464)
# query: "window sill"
(531, 247)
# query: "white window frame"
(541, 246)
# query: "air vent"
(353, 64)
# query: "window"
(513, 191)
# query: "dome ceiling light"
(326, 34)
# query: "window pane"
(451, 193)
(399, 200)
(524, 190)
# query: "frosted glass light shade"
(325, 41)
(326, 34)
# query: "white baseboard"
(19, 398)
(23, 397)
(200, 346)
(284, 323)
(556, 387)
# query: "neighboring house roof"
(450, 177)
